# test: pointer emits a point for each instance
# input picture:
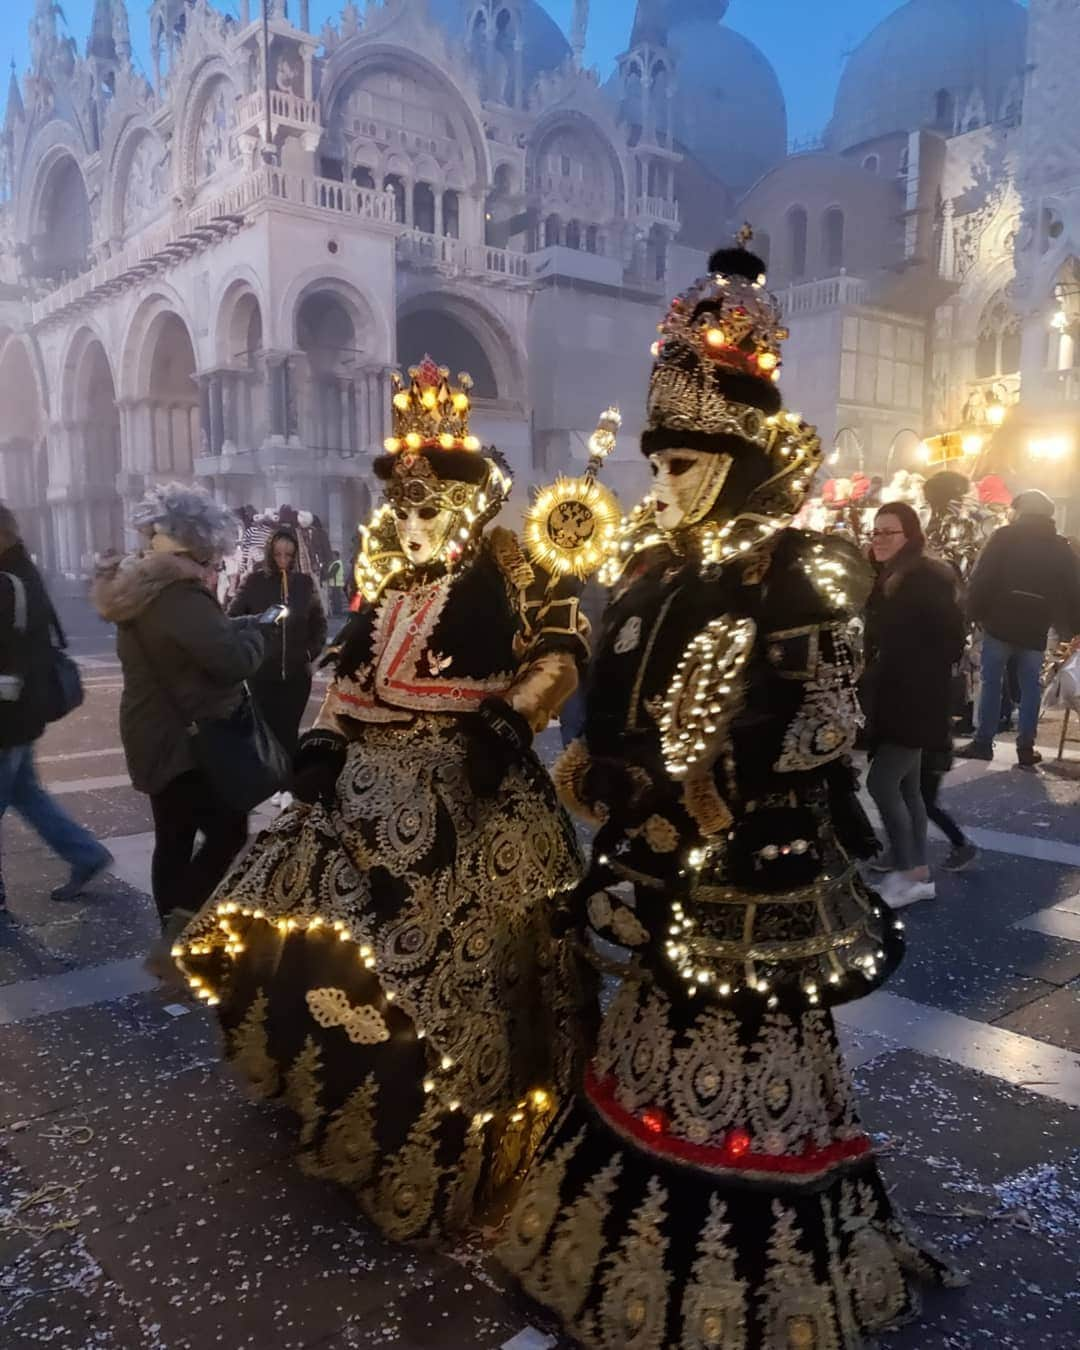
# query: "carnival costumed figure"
(711, 1185)
(377, 959)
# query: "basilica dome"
(729, 109)
(927, 65)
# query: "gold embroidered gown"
(383, 964)
(711, 1184)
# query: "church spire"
(100, 44)
(15, 111)
(650, 24)
(121, 31)
(579, 30)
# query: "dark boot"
(1028, 758)
(977, 750)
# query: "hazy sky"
(805, 41)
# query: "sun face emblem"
(571, 526)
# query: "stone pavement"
(145, 1202)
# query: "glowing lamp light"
(737, 1143)
(401, 401)
(461, 402)
(391, 444)
(1060, 321)
(413, 440)
(972, 444)
(1053, 448)
(995, 414)
(768, 361)
(446, 441)
(715, 337)
(471, 443)
(922, 453)
(429, 398)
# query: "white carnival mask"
(423, 531)
(686, 485)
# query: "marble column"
(217, 415)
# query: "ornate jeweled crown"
(725, 326)
(428, 412)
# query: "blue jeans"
(21, 789)
(995, 656)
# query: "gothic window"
(997, 345)
(363, 177)
(573, 234)
(833, 230)
(796, 224)
(871, 163)
(552, 232)
(592, 239)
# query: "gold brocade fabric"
(385, 967)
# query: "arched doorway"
(433, 332)
(326, 334)
(24, 463)
(174, 398)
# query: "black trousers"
(182, 876)
(930, 785)
(282, 702)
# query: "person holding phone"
(293, 622)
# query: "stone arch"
(139, 150)
(158, 372)
(573, 121)
(997, 339)
(368, 319)
(210, 79)
(906, 451)
(359, 56)
(470, 328)
(240, 315)
(24, 465)
(58, 225)
(90, 412)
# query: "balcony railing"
(658, 208)
(170, 243)
(417, 246)
(832, 293)
(284, 107)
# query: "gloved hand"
(319, 761)
(499, 737)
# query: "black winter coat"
(915, 634)
(27, 656)
(1027, 579)
(291, 646)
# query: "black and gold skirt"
(385, 967)
(712, 1189)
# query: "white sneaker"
(284, 800)
(898, 892)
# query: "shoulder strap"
(19, 591)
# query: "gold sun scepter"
(572, 526)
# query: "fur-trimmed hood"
(121, 592)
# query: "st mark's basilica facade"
(208, 270)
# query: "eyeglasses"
(885, 534)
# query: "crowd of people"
(410, 956)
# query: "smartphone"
(275, 614)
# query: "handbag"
(65, 688)
(242, 759)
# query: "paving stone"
(21, 955)
(175, 1139)
(1055, 1018)
(262, 1260)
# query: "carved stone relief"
(146, 188)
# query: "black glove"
(499, 738)
(319, 761)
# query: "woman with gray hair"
(182, 660)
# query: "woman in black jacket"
(282, 686)
(915, 635)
